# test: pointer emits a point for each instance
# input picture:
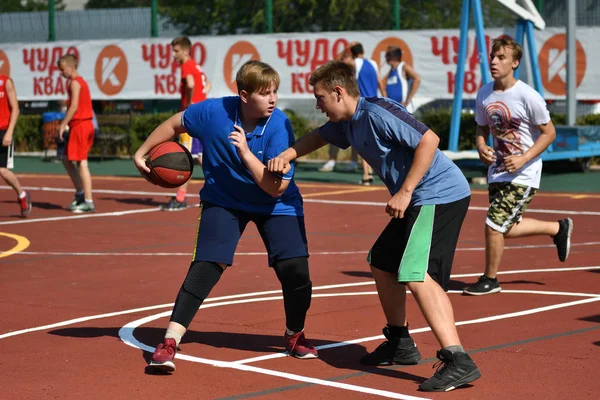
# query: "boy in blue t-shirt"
(430, 198)
(239, 135)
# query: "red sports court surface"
(86, 297)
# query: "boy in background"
(193, 88)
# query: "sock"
(180, 197)
(290, 333)
(171, 334)
(399, 331)
(23, 194)
(89, 202)
(79, 194)
(455, 349)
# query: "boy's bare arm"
(75, 89)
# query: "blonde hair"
(69, 59)
(183, 41)
(335, 73)
(255, 76)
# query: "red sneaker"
(298, 346)
(163, 356)
(25, 204)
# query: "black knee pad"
(293, 273)
(201, 278)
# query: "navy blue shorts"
(220, 229)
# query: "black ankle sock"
(399, 331)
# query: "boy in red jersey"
(81, 135)
(194, 86)
(9, 112)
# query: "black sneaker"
(483, 286)
(453, 370)
(174, 205)
(394, 350)
(562, 240)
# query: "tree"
(219, 17)
(28, 5)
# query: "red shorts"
(81, 138)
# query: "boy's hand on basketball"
(278, 165)
(398, 204)
(514, 163)
(140, 163)
(486, 154)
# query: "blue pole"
(481, 44)
(460, 77)
(533, 58)
(520, 35)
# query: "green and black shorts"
(424, 241)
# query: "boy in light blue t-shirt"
(430, 198)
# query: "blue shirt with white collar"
(228, 182)
(385, 135)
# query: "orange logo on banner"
(111, 70)
(4, 64)
(237, 55)
(379, 52)
(553, 64)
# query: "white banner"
(144, 68)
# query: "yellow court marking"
(357, 190)
(22, 244)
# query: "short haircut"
(69, 59)
(394, 53)
(335, 73)
(255, 76)
(183, 42)
(357, 49)
(507, 41)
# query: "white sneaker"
(328, 167)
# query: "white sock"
(171, 334)
(290, 333)
(89, 202)
(23, 194)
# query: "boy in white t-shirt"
(519, 121)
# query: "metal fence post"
(154, 18)
(51, 21)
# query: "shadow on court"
(345, 357)
(359, 274)
(144, 201)
(460, 285)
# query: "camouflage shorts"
(508, 201)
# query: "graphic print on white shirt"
(513, 117)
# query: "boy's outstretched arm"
(305, 145)
(163, 133)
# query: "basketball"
(171, 165)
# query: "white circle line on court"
(255, 253)
(126, 335)
(262, 293)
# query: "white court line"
(261, 253)
(126, 335)
(321, 201)
(591, 298)
(81, 216)
(252, 294)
